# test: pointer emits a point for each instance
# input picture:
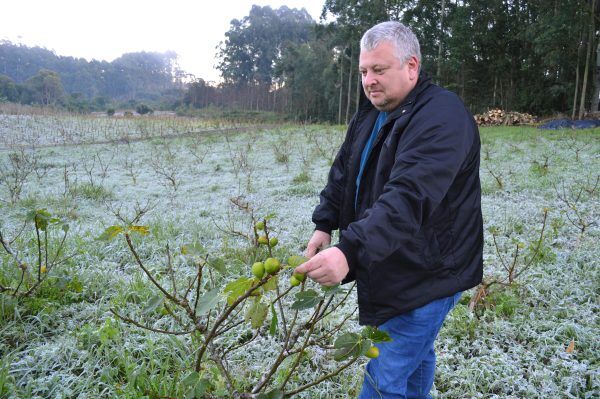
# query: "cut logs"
(497, 117)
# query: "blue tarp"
(570, 124)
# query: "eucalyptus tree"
(349, 21)
(255, 44)
(309, 78)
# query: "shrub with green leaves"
(293, 318)
(30, 258)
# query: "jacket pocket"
(432, 254)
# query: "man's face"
(385, 79)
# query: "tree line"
(34, 75)
(536, 56)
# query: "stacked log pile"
(497, 117)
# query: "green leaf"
(273, 327)
(270, 216)
(207, 302)
(375, 335)
(143, 230)
(108, 332)
(154, 303)
(201, 388)
(364, 346)
(110, 233)
(218, 264)
(350, 345)
(65, 227)
(42, 218)
(274, 394)
(237, 288)
(332, 290)
(271, 284)
(295, 260)
(190, 379)
(194, 249)
(306, 299)
(195, 386)
(257, 313)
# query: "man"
(404, 193)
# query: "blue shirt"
(367, 150)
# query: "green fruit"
(272, 265)
(294, 282)
(273, 241)
(259, 226)
(258, 269)
(373, 352)
(299, 276)
(262, 240)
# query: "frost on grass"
(99, 170)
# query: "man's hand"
(317, 242)
(328, 267)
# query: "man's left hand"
(328, 267)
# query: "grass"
(66, 343)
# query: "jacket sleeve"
(435, 144)
(326, 215)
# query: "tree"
(254, 44)
(199, 94)
(8, 89)
(304, 70)
(46, 87)
(139, 76)
(143, 109)
(352, 19)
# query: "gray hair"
(403, 39)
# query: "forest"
(535, 56)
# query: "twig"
(304, 345)
(221, 366)
(156, 330)
(236, 347)
(321, 379)
(10, 251)
(171, 271)
(156, 283)
(223, 317)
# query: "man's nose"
(369, 78)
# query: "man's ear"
(413, 68)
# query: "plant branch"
(223, 317)
(320, 379)
(156, 330)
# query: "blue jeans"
(406, 366)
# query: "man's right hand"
(317, 242)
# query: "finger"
(307, 267)
(326, 281)
(311, 250)
(318, 274)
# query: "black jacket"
(417, 232)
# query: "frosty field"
(535, 336)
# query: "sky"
(104, 30)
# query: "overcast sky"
(106, 29)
